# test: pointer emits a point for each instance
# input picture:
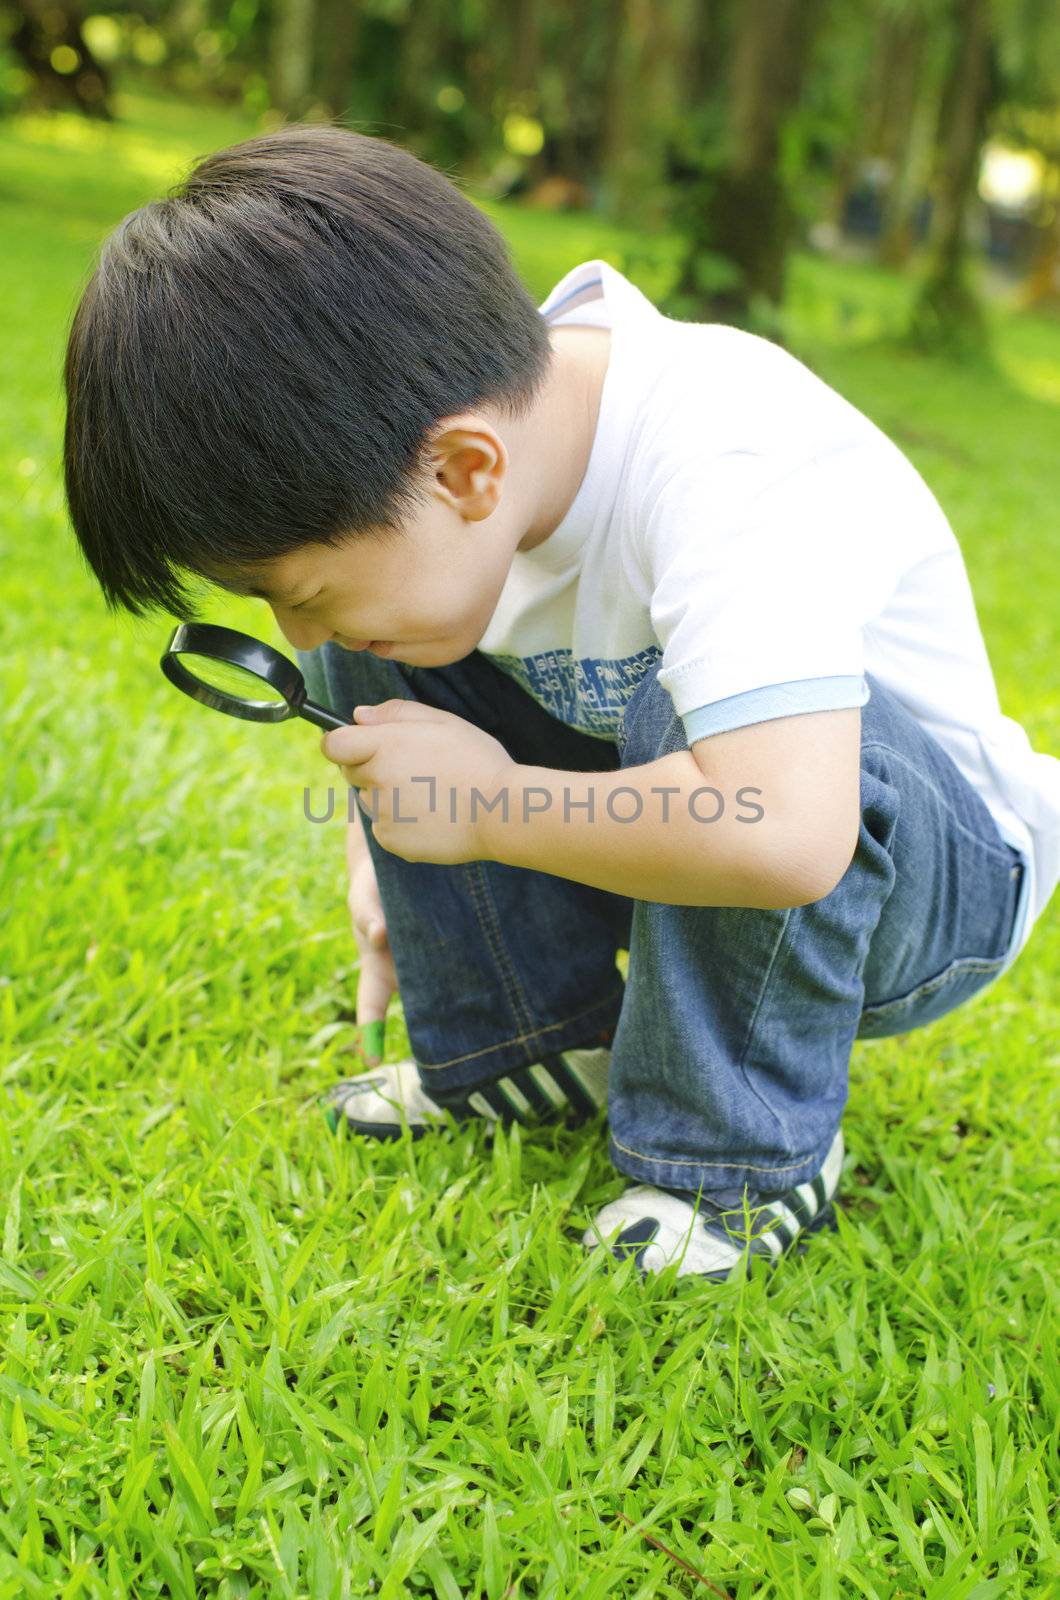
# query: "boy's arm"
(795, 781)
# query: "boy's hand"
(419, 766)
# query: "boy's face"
(424, 596)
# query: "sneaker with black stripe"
(659, 1227)
(567, 1086)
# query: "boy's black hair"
(257, 359)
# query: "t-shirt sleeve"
(761, 588)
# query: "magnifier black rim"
(239, 650)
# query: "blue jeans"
(732, 1035)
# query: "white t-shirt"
(748, 528)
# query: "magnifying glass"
(232, 672)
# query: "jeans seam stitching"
(964, 963)
(742, 1064)
(519, 1038)
(739, 1166)
(488, 922)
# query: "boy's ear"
(469, 461)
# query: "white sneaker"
(662, 1226)
(567, 1086)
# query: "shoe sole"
(337, 1123)
(549, 1092)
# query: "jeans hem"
(590, 1028)
(710, 1176)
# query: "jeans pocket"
(933, 998)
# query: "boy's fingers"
(400, 711)
(374, 989)
(349, 746)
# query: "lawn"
(243, 1358)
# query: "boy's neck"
(561, 429)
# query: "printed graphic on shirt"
(586, 694)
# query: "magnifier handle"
(320, 716)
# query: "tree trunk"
(481, 80)
(704, 54)
(524, 65)
(570, 145)
(523, 22)
(41, 30)
(746, 215)
(612, 144)
(642, 98)
(292, 55)
(340, 26)
(901, 130)
(890, 98)
(1041, 287)
(909, 180)
(947, 314)
(419, 45)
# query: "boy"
(648, 640)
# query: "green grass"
(241, 1358)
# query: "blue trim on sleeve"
(776, 700)
(580, 288)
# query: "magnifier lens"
(238, 683)
(241, 676)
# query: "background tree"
(947, 312)
(1028, 121)
(47, 39)
(743, 126)
(292, 55)
(338, 35)
(738, 213)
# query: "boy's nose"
(299, 631)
